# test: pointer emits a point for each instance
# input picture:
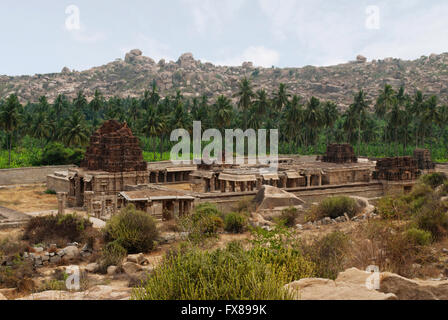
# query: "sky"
(45, 36)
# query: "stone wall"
(28, 175)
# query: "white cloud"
(259, 55)
(83, 36)
(212, 15)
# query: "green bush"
(235, 222)
(335, 207)
(112, 255)
(134, 230)
(289, 216)
(57, 229)
(434, 179)
(328, 254)
(433, 218)
(392, 207)
(418, 237)
(49, 191)
(204, 222)
(56, 153)
(232, 273)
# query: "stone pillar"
(320, 180)
(308, 181)
(157, 176)
(212, 184)
(165, 178)
(259, 183)
(223, 186)
(181, 208)
(88, 202)
(62, 198)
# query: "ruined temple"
(340, 153)
(423, 158)
(113, 148)
(396, 169)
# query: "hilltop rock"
(361, 59)
(336, 83)
(186, 61)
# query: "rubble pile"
(423, 158)
(396, 169)
(113, 148)
(340, 153)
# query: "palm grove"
(45, 133)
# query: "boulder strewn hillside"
(136, 73)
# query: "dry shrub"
(58, 229)
(390, 245)
(235, 222)
(112, 255)
(329, 254)
(247, 204)
(289, 216)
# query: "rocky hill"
(134, 74)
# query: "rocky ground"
(134, 74)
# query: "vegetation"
(134, 230)
(422, 208)
(235, 222)
(233, 273)
(112, 255)
(204, 222)
(392, 125)
(58, 229)
(335, 207)
(289, 216)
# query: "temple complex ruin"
(424, 161)
(340, 153)
(396, 169)
(113, 174)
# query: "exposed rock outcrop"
(351, 285)
(135, 74)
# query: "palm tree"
(60, 104)
(40, 127)
(313, 119)
(385, 101)
(96, 105)
(293, 116)
(245, 95)
(330, 114)
(281, 97)
(222, 112)
(75, 131)
(358, 110)
(429, 116)
(80, 102)
(10, 119)
(151, 126)
(417, 110)
(261, 102)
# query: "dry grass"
(28, 199)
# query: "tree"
(385, 101)
(96, 105)
(281, 97)
(222, 113)
(60, 104)
(357, 113)
(313, 119)
(151, 125)
(75, 131)
(80, 102)
(330, 114)
(245, 95)
(10, 119)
